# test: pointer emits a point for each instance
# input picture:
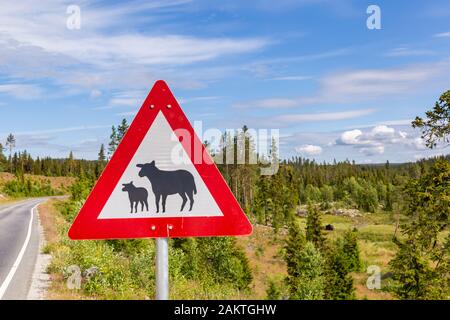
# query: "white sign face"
(160, 181)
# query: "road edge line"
(19, 258)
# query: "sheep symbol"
(165, 183)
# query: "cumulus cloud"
(350, 137)
(374, 141)
(309, 149)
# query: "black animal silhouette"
(165, 183)
(136, 195)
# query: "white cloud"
(374, 141)
(407, 52)
(47, 132)
(367, 84)
(322, 116)
(442, 35)
(286, 120)
(383, 130)
(362, 85)
(195, 99)
(401, 122)
(309, 149)
(110, 49)
(291, 78)
(272, 103)
(370, 151)
(21, 91)
(95, 93)
(350, 137)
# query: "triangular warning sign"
(160, 182)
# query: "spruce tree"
(305, 266)
(122, 129)
(421, 266)
(338, 278)
(314, 227)
(11, 143)
(113, 141)
(350, 250)
(101, 154)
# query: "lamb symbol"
(136, 195)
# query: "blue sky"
(311, 69)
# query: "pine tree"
(314, 227)
(121, 130)
(101, 154)
(11, 143)
(71, 164)
(389, 204)
(113, 141)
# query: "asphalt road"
(19, 247)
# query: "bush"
(22, 187)
(273, 292)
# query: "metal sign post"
(162, 268)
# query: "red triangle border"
(87, 226)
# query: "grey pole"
(162, 268)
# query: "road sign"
(160, 182)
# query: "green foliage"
(305, 266)
(113, 141)
(339, 282)
(126, 267)
(23, 187)
(421, 266)
(436, 126)
(314, 227)
(418, 275)
(350, 250)
(80, 189)
(273, 292)
(224, 261)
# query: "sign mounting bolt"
(169, 106)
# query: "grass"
(375, 242)
(264, 250)
(126, 273)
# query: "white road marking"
(16, 264)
